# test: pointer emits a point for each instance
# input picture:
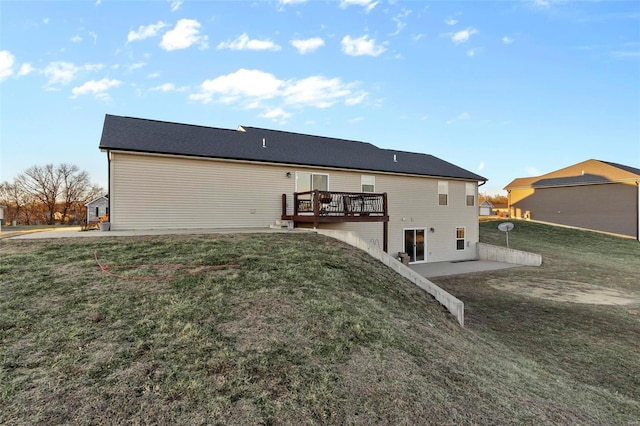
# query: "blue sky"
(505, 89)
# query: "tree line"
(48, 195)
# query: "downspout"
(109, 183)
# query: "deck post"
(316, 208)
(385, 225)
(284, 206)
(385, 236)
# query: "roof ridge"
(170, 122)
(308, 135)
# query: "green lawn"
(301, 329)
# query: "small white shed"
(97, 208)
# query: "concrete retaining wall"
(503, 254)
(453, 305)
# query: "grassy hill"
(288, 329)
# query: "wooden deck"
(332, 207)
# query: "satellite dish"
(506, 227)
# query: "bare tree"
(44, 184)
(74, 187)
(17, 201)
(58, 190)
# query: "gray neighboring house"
(593, 194)
(97, 208)
(171, 175)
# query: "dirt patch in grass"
(565, 291)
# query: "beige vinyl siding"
(413, 203)
(154, 192)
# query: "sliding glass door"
(415, 244)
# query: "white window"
(443, 193)
(470, 190)
(306, 182)
(460, 238)
(368, 183)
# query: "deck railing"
(331, 203)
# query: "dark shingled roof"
(623, 167)
(151, 136)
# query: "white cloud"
(45, 20)
(166, 87)
(507, 40)
(145, 31)
(76, 39)
(481, 166)
(61, 72)
(450, 21)
(6, 64)
(361, 46)
(277, 114)
(136, 66)
(367, 4)
(287, 2)
(94, 36)
(258, 89)
(317, 91)
(308, 45)
(98, 88)
(399, 20)
(25, 69)
(243, 42)
(355, 98)
(185, 34)
(92, 67)
(243, 83)
(175, 5)
(463, 36)
(153, 75)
